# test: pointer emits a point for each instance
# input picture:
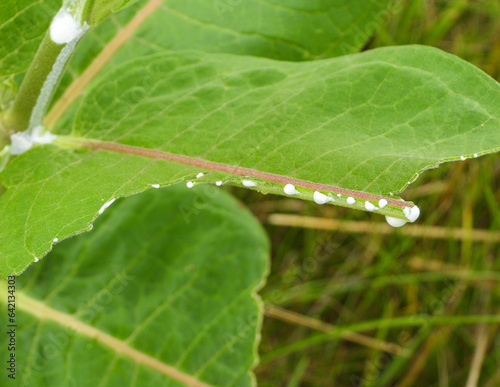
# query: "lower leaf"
(161, 293)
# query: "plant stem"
(3, 138)
(38, 86)
(18, 117)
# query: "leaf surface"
(296, 31)
(292, 30)
(394, 110)
(22, 25)
(150, 293)
(369, 122)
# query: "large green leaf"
(22, 26)
(298, 31)
(368, 122)
(295, 30)
(287, 30)
(151, 291)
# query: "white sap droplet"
(219, 183)
(20, 143)
(351, 200)
(476, 155)
(412, 213)
(23, 141)
(463, 158)
(55, 240)
(64, 27)
(248, 183)
(190, 184)
(201, 174)
(39, 138)
(290, 190)
(395, 222)
(36, 260)
(155, 185)
(370, 207)
(339, 195)
(320, 198)
(106, 205)
(382, 203)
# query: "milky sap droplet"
(106, 205)
(155, 185)
(370, 207)
(351, 200)
(320, 198)
(190, 184)
(249, 183)
(382, 203)
(290, 190)
(20, 143)
(219, 183)
(395, 222)
(64, 27)
(201, 174)
(412, 213)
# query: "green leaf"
(118, 5)
(8, 90)
(298, 31)
(149, 292)
(98, 10)
(292, 30)
(313, 30)
(369, 122)
(23, 23)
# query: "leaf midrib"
(231, 169)
(45, 313)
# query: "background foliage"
(447, 265)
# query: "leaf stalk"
(18, 117)
(45, 72)
(38, 86)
